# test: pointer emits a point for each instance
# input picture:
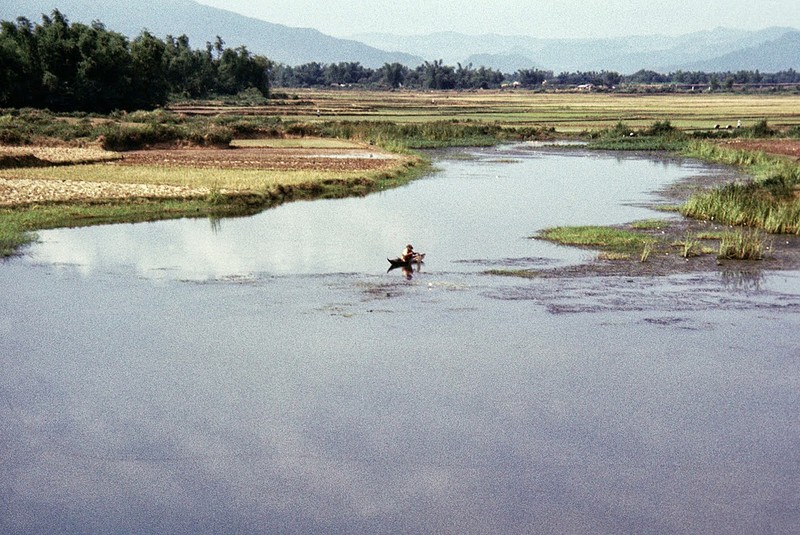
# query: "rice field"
(566, 112)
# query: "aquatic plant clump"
(609, 239)
(746, 205)
(742, 245)
(771, 201)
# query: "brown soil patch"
(336, 160)
(780, 147)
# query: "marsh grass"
(402, 136)
(612, 255)
(771, 201)
(647, 250)
(12, 238)
(749, 204)
(614, 243)
(520, 273)
(742, 244)
(690, 246)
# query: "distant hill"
(778, 55)
(291, 46)
(624, 54)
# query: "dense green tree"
(20, 73)
(238, 70)
(532, 77)
(59, 57)
(393, 74)
(149, 75)
(66, 66)
(189, 73)
(309, 75)
(103, 77)
(436, 75)
(347, 73)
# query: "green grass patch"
(608, 239)
(650, 224)
(689, 245)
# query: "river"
(268, 375)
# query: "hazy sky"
(537, 18)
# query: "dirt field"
(315, 159)
(782, 147)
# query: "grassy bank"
(770, 201)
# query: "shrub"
(661, 128)
(761, 129)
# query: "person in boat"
(408, 253)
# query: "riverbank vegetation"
(770, 201)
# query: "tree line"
(436, 75)
(67, 66)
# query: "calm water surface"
(266, 375)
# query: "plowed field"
(259, 158)
(782, 147)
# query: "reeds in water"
(742, 245)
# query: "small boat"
(399, 262)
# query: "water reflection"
(216, 224)
(407, 269)
(472, 211)
(743, 279)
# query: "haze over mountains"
(769, 50)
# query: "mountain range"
(722, 49)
